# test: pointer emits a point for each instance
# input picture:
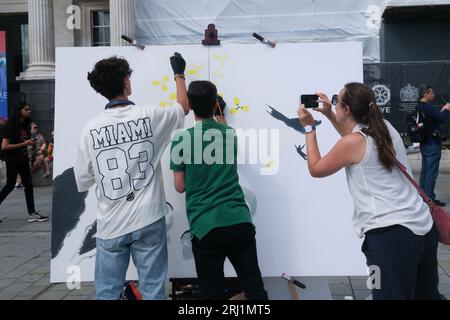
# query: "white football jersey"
(120, 152)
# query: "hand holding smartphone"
(310, 100)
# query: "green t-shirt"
(207, 154)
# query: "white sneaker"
(36, 217)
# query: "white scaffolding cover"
(184, 21)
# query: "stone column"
(37, 83)
(41, 41)
(122, 19)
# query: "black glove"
(178, 64)
(222, 105)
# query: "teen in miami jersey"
(119, 153)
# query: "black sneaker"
(439, 203)
(36, 217)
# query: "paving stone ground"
(25, 256)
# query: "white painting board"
(303, 224)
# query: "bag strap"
(414, 183)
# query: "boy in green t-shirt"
(203, 159)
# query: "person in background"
(37, 152)
(400, 238)
(2, 152)
(15, 141)
(50, 149)
(431, 146)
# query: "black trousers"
(238, 244)
(12, 170)
(407, 263)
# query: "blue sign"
(3, 79)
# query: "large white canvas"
(303, 224)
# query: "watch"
(309, 129)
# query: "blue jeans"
(431, 156)
(148, 248)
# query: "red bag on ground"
(130, 292)
(440, 216)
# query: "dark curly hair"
(109, 75)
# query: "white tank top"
(385, 198)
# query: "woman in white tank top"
(400, 239)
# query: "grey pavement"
(25, 255)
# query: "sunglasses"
(335, 100)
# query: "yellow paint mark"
(163, 104)
(156, 83)
(233, 111)
(192, 72)
(164, 88)
(269, 164)
(245, 108)
(166, 79)
(173, 97)
(236, 101)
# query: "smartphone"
(309, 100)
